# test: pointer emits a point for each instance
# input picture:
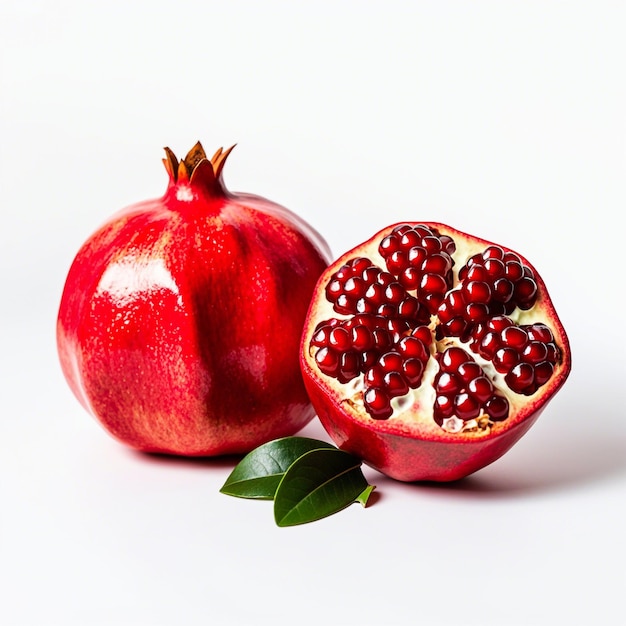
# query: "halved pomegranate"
(428, 352)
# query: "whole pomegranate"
(180, 321)
(428, 352)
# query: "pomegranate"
(428, 352)
(180, 321)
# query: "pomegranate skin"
(180, 320)
(405, 457)
(410, 446)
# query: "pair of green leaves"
(307, 479)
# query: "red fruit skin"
(180, 321)
(402, 456)
(418, 451)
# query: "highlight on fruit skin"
(180, 319)
(428, 352)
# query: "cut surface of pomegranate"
(428, 352)
(180, 322)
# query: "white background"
(506, 119)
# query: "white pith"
(415, 409)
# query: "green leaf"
(258, 474)
(318, 484)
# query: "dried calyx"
(197, 167)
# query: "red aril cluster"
(492, 282)
(465, 392)
(527, 355)
(396, 371)
(390, 354)
(421, 259)
(359, 286)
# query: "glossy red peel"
(180, 320)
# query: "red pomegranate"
(428, 352)
(180, 321)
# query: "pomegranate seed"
(554, 354)
(466, 407)
(385, 278)
(377, 403)
(433, 283)
(374, 376)
(368, 359)
(447, 384)
(525, 292)
(480, 388)
(390, 362)
(499, 322)
(497, 408)
(539, 332)
(505, 359)
(468, 371)
(412, 347)
(432, 244)
(493, 252)
(370, 274)
(354, 287)
(513, 270)
(339, 339)
(494, 268)
(502, 290)
(444, 407)
(320, 338)
(417, 256)
(409, 239)
(333, 290)
(387, 310)
(511, 256)
(476, 291)
(375, 293)
(328, 361)
(398, 327)
(456, 327)
(514, 337)
(436, 264)
(543, 372)
(535, 352)
(448, 244)
(489, 345)
(452, 358)
(343, 305)
(423, 334)
(349, 366)
(381, 338)
(410, 278)
(395, 293)
(370, 321)
(521, 378)
(362, 338)
(477, 273)
(397, 262)
(388, 245)
(413, 369)
(409, 307)
(476, 312)
(395, 384)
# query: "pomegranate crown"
(196, 167)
